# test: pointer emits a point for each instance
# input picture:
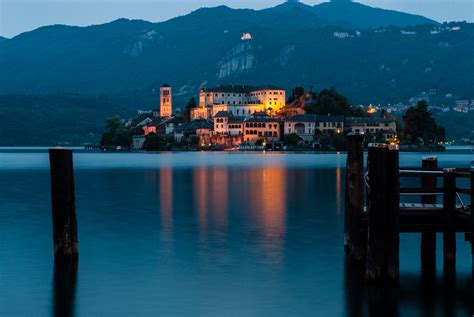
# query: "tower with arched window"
(166, 100)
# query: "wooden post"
(63, 205)
(472, 223)
(393, 212)
(377, 218)
(449, 206)
(355, 233)
(428, 239)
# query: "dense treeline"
(57, 119)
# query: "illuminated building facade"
(262, 128)
(166, 101)
(239, 100)
(372, 125)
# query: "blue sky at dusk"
(18, 16)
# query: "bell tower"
(166, 100)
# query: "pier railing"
(371, 233)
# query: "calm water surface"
(203, 234)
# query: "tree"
(330, 102)
(154, 142)
(123, 137)
(113, 124)
(292, 139)
(419, 124)
(187, 110)
(107, 139)
(296, 94)
(116, 134)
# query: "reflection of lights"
(268, 188)
(166, 199)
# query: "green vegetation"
(116, 134)
(331, 142)
(296, 93)
(292, 139)
(458, 125)
(419, 126)
(61, 119)
(156, 142)
(187, 110)
(331, 102)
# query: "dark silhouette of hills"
(368, 54)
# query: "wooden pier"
(371, 233)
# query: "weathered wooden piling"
(63, 204)
(449, 207)
(377, 218)
(428, 238)
(472, 223)
(393, 212)
(355, 233)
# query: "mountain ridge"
(291, 45)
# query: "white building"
(239, 100)
(303, 124)
(372, 125)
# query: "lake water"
(204, 234)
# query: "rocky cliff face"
(240, 58)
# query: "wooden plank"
(428, 190)
(412, 173)
(466, 191)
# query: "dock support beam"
(384, 213)
(377, 219)
(63, 205)
(428, 239)
(393, 213)
(472, 223)
(449, 207)
(355, 228)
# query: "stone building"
(239, 100)
(166, 101)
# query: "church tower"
(166, 101)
